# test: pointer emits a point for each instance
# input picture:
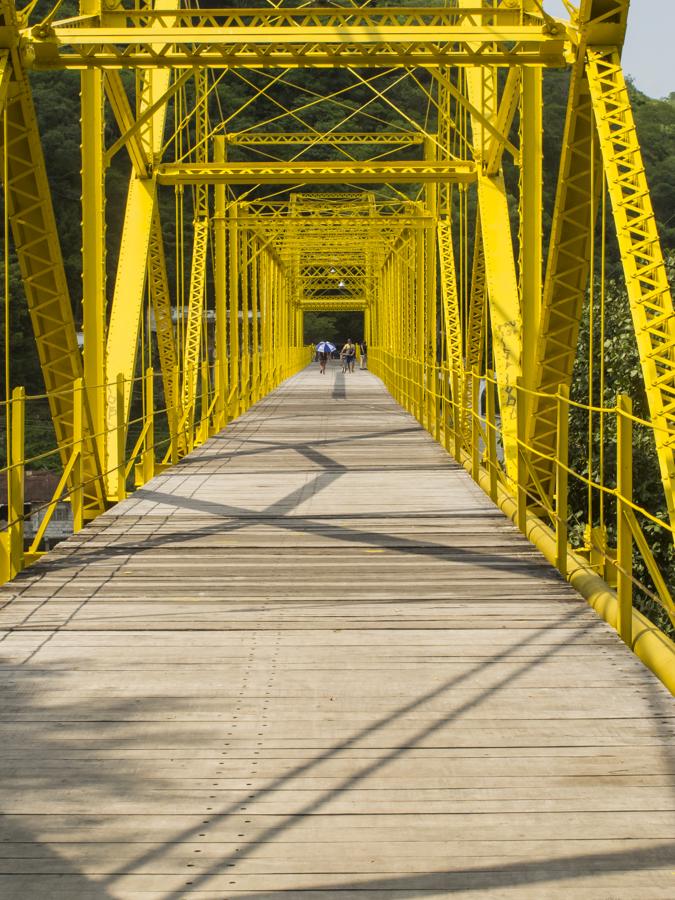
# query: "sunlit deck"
(314, 661)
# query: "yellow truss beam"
(160, 297)
(127, 304)
(195, 310)
(475, 335)
(508, 104)
(499, 129)
(333, 138)
(132, 132)
(5, 76)
(329, 172)
(449, 296)
(568, 260)
(38, 251)
(126, 122)
(500, 270)
(476, 320)
(429, 36)
(649, 294)
(94, 280)
(200, 242)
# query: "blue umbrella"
(325, 347)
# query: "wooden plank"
(313, 661)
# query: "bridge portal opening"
(333, 326)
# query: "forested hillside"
(239, 105)
(57, 102)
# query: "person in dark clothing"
(363, 347)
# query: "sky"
(648, 52)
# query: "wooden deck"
(313, 661)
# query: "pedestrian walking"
(349, 355)
(363, 347)
(323, 352)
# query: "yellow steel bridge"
(297, 158)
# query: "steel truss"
(234, 232)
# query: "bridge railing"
(617, 552)
(149, 439)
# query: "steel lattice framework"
(381, 187)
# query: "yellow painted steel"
(329, 172)
(397, 209)
(273, 38)
(335, 139)
(38, 251)
(201, 229)
(94, 288)
(160, 298)
(574, 215)
(127, 304)
(645, 272)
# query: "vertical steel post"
(256, 280)
(218, 393)
(219, 278)
(189, 414)
(491, 432)
(561, 478)
(444, 411)
(418, 299)
(149, 451)
(521, 469)
(456, 416)
(475, 424)
(430, 294)
(120, 436)
(204, 408)
(245, 337)
(624, 548)
(174, 416)
(233, 303)
(530, 243)
(16, 481)
(93, 240)
(77, 475)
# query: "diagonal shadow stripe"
(378, 725)
(491, 878)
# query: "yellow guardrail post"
(456, 416)
(174, 416)
(204, 410)
(188, 415)
(561, 478)
(491, 432)
(475, 424)
(443, 410)
(436, 402)
(77, 476)
(521, 431)
(218, 388)
(624, 547)
(149, 451)
(16, 493)
(120, 437)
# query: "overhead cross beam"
(333, 138)
(400, 36)
(329, 172)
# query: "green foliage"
(335, 327)
(622, 375)
(290, 105)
